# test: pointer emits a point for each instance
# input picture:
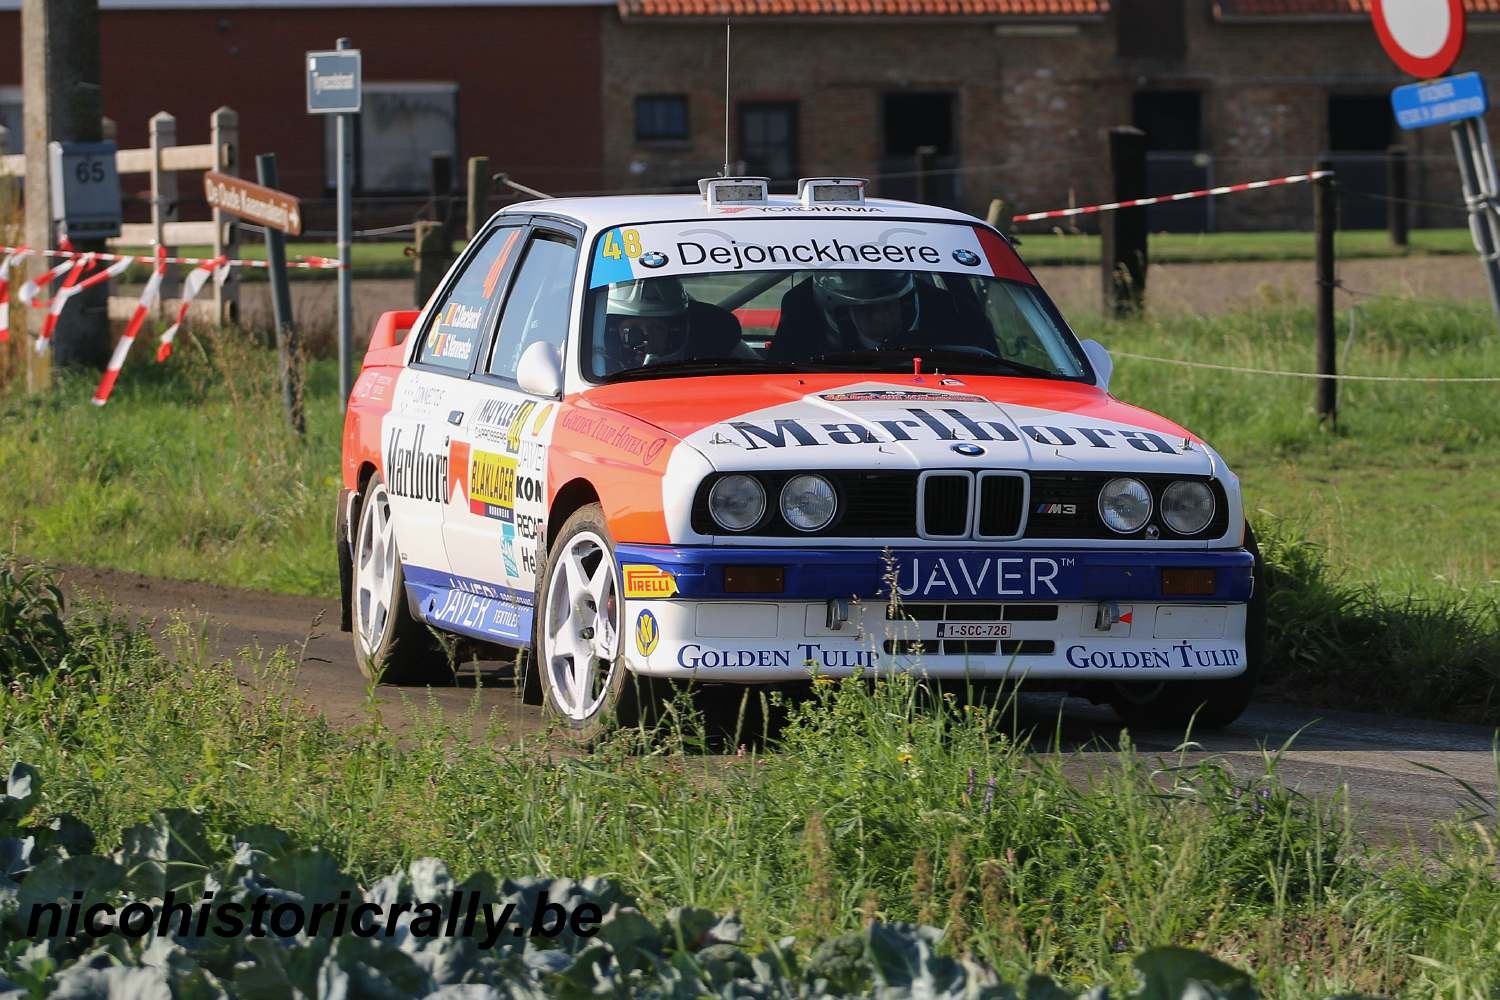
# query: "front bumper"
(1071, 615)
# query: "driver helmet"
(646, 320)
(878, 306)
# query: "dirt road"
(1394, 799)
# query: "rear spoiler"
(387, 340)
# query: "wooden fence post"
(479, 195)
(1122, 232)
(163, 135)
(434, 255)
(1395, 190)
(1325, 222)
(224, 129)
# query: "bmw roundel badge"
(965, 448)
(653, 258)
(968, 258)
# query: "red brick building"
(1009, 98)
(956, 101)
(519, 82)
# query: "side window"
(457, 328)
(537, 308)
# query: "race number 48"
(631, 240)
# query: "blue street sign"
(1451, 99)
(333, 82)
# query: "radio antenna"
(727, 22)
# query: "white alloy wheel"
(374, 570)
(582, 626)
(388, 642)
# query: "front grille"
(1002, 499)
(945, 504)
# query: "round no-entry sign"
(1423, 37)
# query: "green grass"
(1399, 492)
(367, 259)
(190, 471)
(934, 812)
(1383, 532)
(1058, 246)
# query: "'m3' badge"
(647, 633)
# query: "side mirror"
(1104, 365)
(539, 371)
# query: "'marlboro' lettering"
(949, 425)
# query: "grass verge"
(1062, 247)
(1383, 532)
(932, 813)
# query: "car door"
(425, 461)
(498, 536)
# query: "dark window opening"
(1360, 129)
(768, 139)
(921, 148)
(1175, 158)
(1171, 119)
(661, 118)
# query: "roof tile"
(1323, 8)
(866, 8)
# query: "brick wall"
(1032, 101)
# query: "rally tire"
(389, 644)
(1207, 704)
(586, 686)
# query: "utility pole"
(63, 101)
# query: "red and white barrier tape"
(301, 263)
(72, 285)
(138, 317)
(12, 258)
(1059, 213)
(218, 269)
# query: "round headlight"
(808, 502)
(1125, 505)
(737, 502)
(1187, 507)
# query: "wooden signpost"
(281, 215)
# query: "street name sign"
(1438, 102)
(254, 202)
(333, 82)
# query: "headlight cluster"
(1187, 505)
(807, 502)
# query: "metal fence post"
(224, 128)
(281, 306)
(163, 135)
(1325, 222)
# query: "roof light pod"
(734, 190)
(831, 191)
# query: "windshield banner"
(627, 253)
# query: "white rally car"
(747, 438)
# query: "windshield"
(684, 302)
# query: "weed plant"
(884, 802)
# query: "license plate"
(973, 630)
